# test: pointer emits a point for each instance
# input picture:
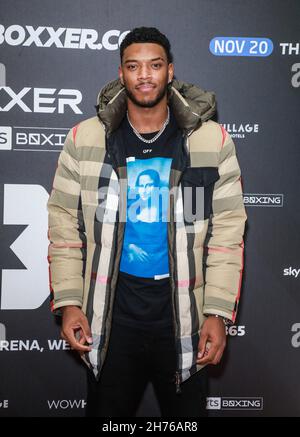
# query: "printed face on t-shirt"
(145, 186)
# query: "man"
(144, 288)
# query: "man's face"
(145, 73)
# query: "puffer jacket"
(86, 227)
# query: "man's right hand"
(75, 329)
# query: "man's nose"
(144, 72)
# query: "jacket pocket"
(197, 191)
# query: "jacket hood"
(190, 104)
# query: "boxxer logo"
(38, 100)
(68, 38)
(23, 256)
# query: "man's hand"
(75, 329)
(212, 341)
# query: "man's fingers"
(80, 337)
(71, 339)
(202, 345)
(212, 356)
(86, 331)
(208, 355)
(76, 329)
(212, 341)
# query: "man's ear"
(170, 72)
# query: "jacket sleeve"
(66, 233)
(224, 245)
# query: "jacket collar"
(190, 104)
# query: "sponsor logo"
(275, 200)
(240, 130)
(224, 403)
(65, 404)
(240, 46)
(236, 331)
(290, 271)
(66, 38)
(24, 227)
(40, 100)
(296, 337)
(5, 137)
(40, 139)
(213, 403)
(4, 404)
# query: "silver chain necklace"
(155, 136)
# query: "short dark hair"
(144, 35)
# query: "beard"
(149, 103)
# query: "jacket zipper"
(178, 382)
(177, 372)
(175, 323)
(178, 378)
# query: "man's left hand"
(212, 341)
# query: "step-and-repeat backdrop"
(54, 57)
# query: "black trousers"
(135, 357)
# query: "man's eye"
(131, 67)
(156, 65)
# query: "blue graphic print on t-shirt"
(145, 248)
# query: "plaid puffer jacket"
(86, 230)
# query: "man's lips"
(145, 87)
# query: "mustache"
(145, 83)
